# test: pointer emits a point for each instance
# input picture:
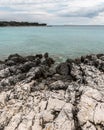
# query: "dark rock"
(46, 55)
(16, 58)
(78, 61)
(30, 58)
(34, 87)
(82, 59)
(88, 57)
(86, 61)
(12, 56)
(70, 61)
(37, 61)
(97, 63)
(12, 80)
(35, 73)
(2, 66)
(1, 62)
(4, 83)
(17, 68)
(63, 69)
(10, 63)
(21, 77)
(13, 70)
(27, 66)
(102, 66)
(99, 55)
(93, 57)
(52, 71)
(39, 56)
(48, 62)
(102, 58)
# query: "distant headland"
(14, 23)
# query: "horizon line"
(53, 24)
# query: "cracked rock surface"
(36, 94)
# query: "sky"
(54, 12)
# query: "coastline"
(19, 24)
(36, 93)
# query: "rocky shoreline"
(37, 94)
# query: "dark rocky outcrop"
(42, 67)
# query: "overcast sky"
(53, 11)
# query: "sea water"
(65, 41)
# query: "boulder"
(30, 58)
(27, 66)
(16, 58)
(99, 55)
(48, 62)
(63, 68)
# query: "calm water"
(61, 41)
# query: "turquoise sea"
(63, 41)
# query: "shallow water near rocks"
(61, 41)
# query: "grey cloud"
(82, 12)
(51, 11)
